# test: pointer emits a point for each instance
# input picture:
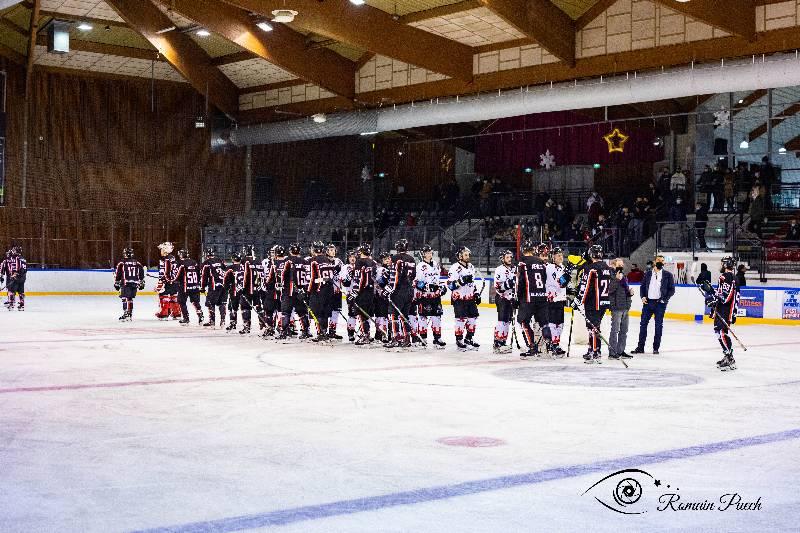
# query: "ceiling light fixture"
(319, 118)
(283, 15)
(85, 26)
(782, 150)
(744, 145)
(365, 133)
(163, 30)
(357, 2)
(264, 25)
(202, 33)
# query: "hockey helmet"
(16, 249)
(384, 256)
(352, 252)
(183, 254)
(365, 249)
(528, 246)
(425, 249)
(556, 250)
(318, 247)
(543, 249)
(127, 253)
(236, 258)
(209, 252)
(401, 245)
(248, 250)
(505, 254)
(166, 247)
(728, 262)
(294, 248)
(279, 250)
(463, 252)
(595, 251)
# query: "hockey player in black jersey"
(187, 278)
(320, 289)
(15, 270)
(271, 302)
(336, 303)
(292, 279)
(383, 271)
(249, 298)
(212, 274)
(595, 298)
(401, 295)
(361, 293)
(233, 281)
(128, 278)
(723, 304)
(532, 296)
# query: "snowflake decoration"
(548, 160)
(722, 118)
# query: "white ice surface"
(107, 427)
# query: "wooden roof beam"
(282, 47)
(592, 13)
(787, 113)
(441, 11)
(542, 21)
(79, 45)
(185, 55)
(737, 17)
(374, 30)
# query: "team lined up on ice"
(13, 272)
(400, 296)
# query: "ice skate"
(231, 327)
(438, 343)
(728, 364)
(501, 348)
(245, 330)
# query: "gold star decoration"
(616, 141)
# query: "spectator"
(704, 185)
(636, 274)
(717, 190)
(729, 189)
(793, 233)
(767, 177)
(677, 183)
(663, 184)
(704, 276)
(700, 225)
(677, 213)
(757, 209)
(594, 206)
(620, 295)
(657, 287)
(653, 198)
(741, 280)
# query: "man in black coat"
(657, 287)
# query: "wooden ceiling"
(331, 40)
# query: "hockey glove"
(351, 297)
(117, 285)
(389, 290)
(442, 290)
(141, 285)
(515, 303)
(160, 287)
(421, 286)
(466, 279)
(551, 297)
(571, 292)
(301, 294)
(508, 284)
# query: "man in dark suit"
(657, 287)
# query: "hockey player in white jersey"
(505, 296)
(558, 276)
(465, 300)
(345, 280)
(338, 275)
(428, 297)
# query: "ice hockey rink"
(151, 426)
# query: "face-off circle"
(471, 441)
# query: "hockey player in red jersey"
(723, 304)
(595, 298)
(128, 279)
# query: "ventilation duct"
(749, 75)
(8, 3)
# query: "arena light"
(264, 25)
(85, 26)
(357, 2)
(283, 15)
(744, 145)
(202, 33)
(528, 170)
(782, 150)
(319, 118)
(365, 133)
(596, 166)
(200, 122)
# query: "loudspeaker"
(58, 37)
(720, 146)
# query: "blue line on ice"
(374, 503)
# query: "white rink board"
(153, 426)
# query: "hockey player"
(271, 303)
(167, 291)
(187, 277)
(16, 272)
(233, 283)
(723, 304)
(212, 274)
(346, 278)
(320, 289)
(532, 296)
(428, 297)
(128, 278)
(249, 298)
(291, 277)
(338, 277)
(558, 277)
(594, 296)
(361, 294)
(505, 299)
(401, 294)
(383, 272)
(465, 299)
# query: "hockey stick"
(595, 329)
(405, 319)
(724, 323)
(514, 338)
(571, 324)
